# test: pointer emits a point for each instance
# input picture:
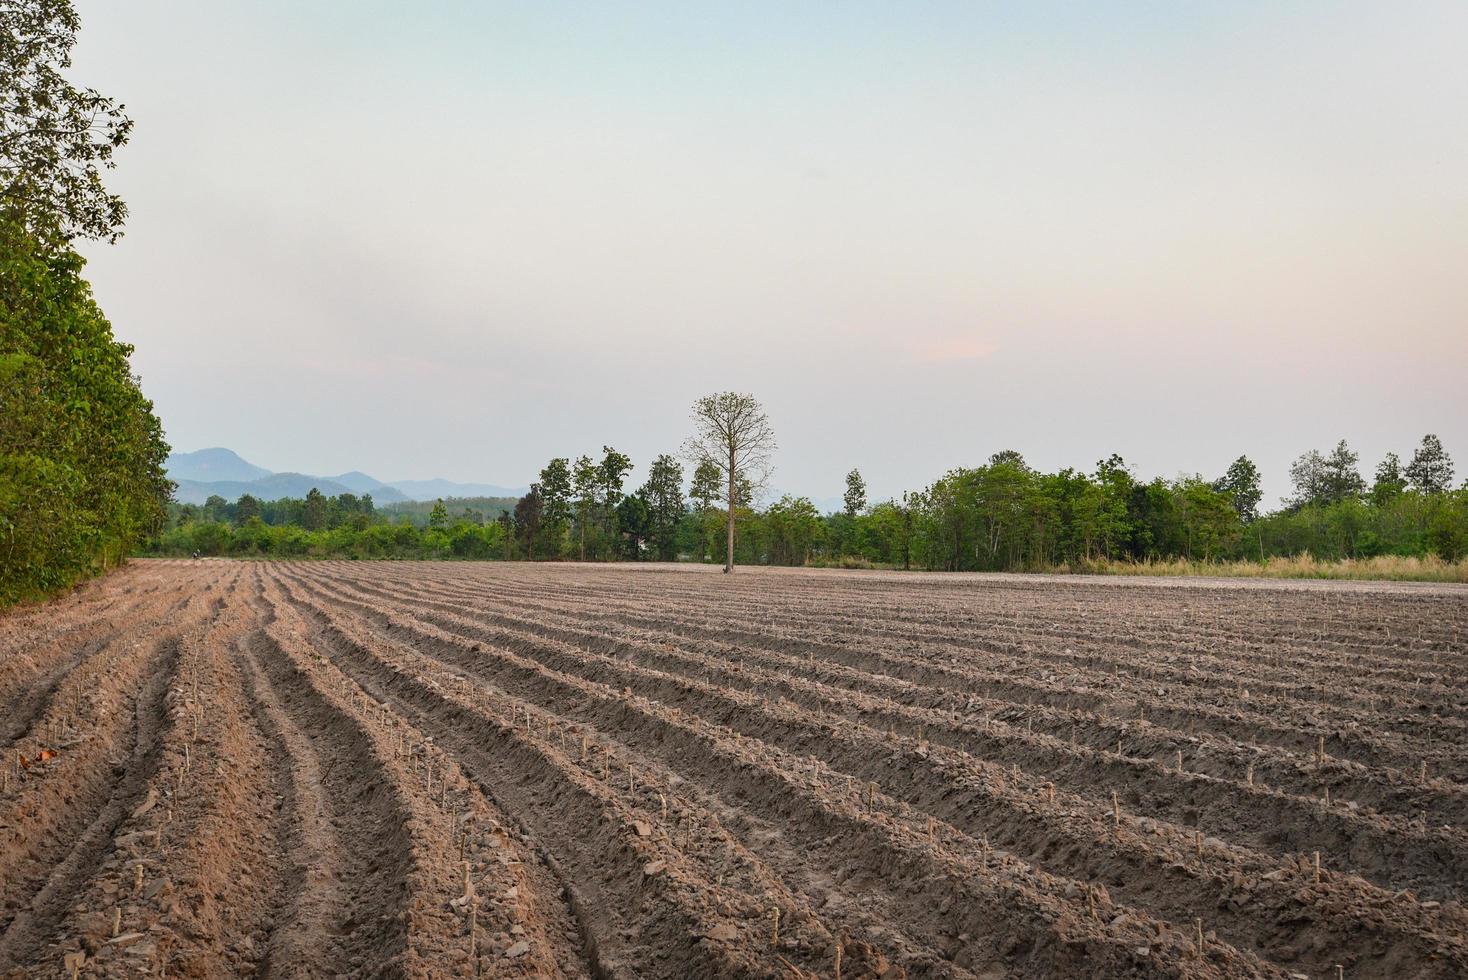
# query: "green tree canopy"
(1241, 485)
(55, 138)
(81, 452)
(555, 487)
(855, 498)
(1390, 481)
(663, 495)
(1431, 469)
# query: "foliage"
(793, 529)
(55, 139)
(1430, 471)
(1326, 479)
(1241, 485)
(529, 511)
(1390, 481)
(663, 496)
(585, 480)
(1002, 516)
(476, 510)
(855, 498)
(555, 488)
(81, 453)
(632, 522)
(255, 539)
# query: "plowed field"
(416, 769)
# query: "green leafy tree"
(999, 497)
(507, 534)
(81, 452)
(793, 526)
(313, 515)
(216, 508)
(556, 490)
(1241, 485)
(55, 138)
(1210, 522)
(663, 494)
(1326, 479)
(632, 519)
(1342, 479)
(586, 480)
(246, 509)
(528, 512)
(1114, 484)
(705, 491)
(1307, 474)
(855, 498)
(1390, 480)
(438, 518)
(610, 474)
(1447, 530)
(1431, 469)
(1009, 457)
(890, 524)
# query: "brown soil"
(427, 770)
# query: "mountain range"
(220, 471)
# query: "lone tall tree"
(732, 433)
(856, 494)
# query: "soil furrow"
(892, 836)
(960, 792)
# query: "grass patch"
(1395, 568)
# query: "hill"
(212, 465)
(223, 472)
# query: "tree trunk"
(729, 555)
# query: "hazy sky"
(455, 239)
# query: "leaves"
(81, 453)
(55, 138)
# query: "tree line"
(1004, 515)
(81, 451)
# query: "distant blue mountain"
(359, 482)
(211, 465)
(221, 472)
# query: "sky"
(456, 239)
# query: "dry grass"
(1383, 567)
